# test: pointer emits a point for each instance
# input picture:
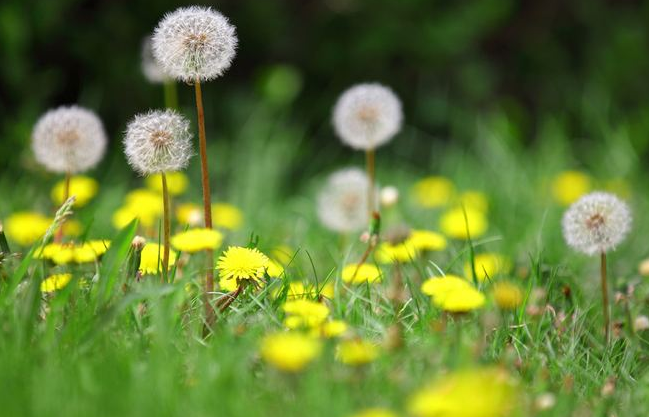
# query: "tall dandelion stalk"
(68, 140)
(194, 45)
(594, 225)
(158, 142)
(365, 117)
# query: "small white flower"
(194, 43)
(150, 68)
(596, 223)
(367, 116)
(158, 141)
(641, 323)
(342, 203)
(389, 196)
(69, 139)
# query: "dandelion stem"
(370, 168)
(166, 227)
(207, 199)
(607, 319)
(66, 194)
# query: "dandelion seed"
(158, 141)
(150, 67)
(596, 223)
(69, 140)
(342, 203)
(194, 43)
(367, 116)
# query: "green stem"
(171, 95)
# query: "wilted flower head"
(194, 43)
(150, 67)
(158, 141)
(342, 204)
(367, 116)
(596, 223)
(69, 139)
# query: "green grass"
(102, 350)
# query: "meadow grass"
(121, 347)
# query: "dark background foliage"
(581, 64)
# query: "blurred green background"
(576, 69)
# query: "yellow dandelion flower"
(65, 253)
(327, 290)
(196, 240)
(275, 270)
(55, 282)
(453, 223)
(226, 216)
(26, 227)
(331, 329)
(388, 253)
(151, 259)
(289, 352)
(568, 186)
(491, 391)
(304, 313)
(71, 227)
(124, 215)
(283, 254)
(82, 187)
(425, 240)
(143, 197)
(357, 352)
(461, 299)
(439, 287)
(431, 192)
(177, 182)
(476, 200)
(375, 412)
(508, 296)
(487, 266)
(238, 263)
(355, 274)
(188, 213)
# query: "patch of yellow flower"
(453, 294)
(303, 313)
(289, 352)
(456, 221)
(82, 187)
(508, 296)
(238, 264)
(432, 192)
(487, 266)
(375, 412)
(151, 259)
(226, 216)
(568, 186)
(26, 227)
(357, 352)
(482, 392)
(196, 240)
(64, 253)
(142, 204)
(358, 274)
(55, 282)
(177, 183)
(331, 329)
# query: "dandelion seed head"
(194, 43)
(342, 203)
(69, 140)
(150, 67)
(596, 223)
(367, 116)
(158, 141)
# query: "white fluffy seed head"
(194, 43)
(152, 71)
(158, 141)
(367, 116)
(596, 223)
(69, 139)
(342, 203)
